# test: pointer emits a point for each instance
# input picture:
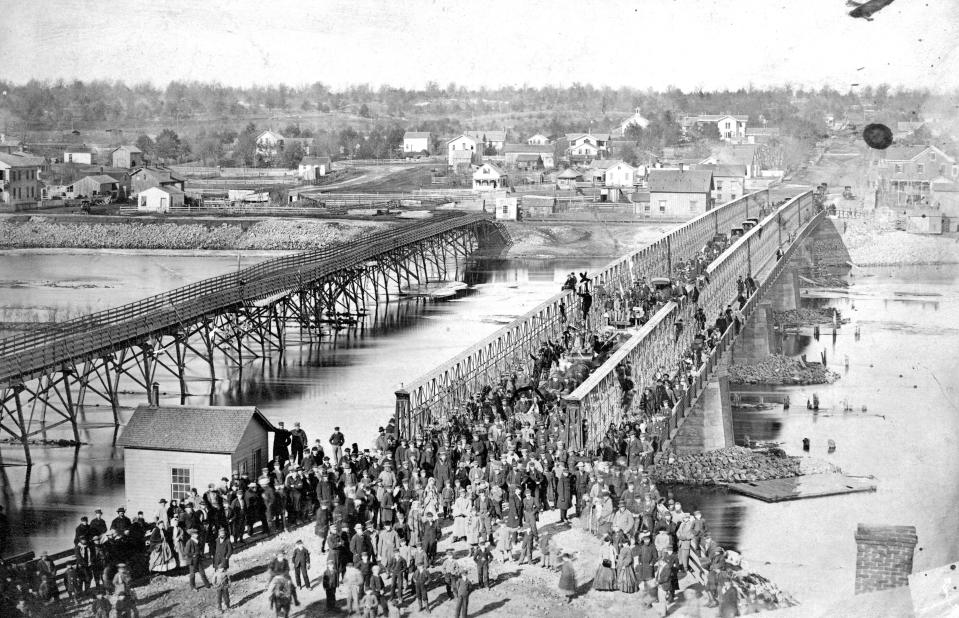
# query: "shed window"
(662, 206)
(920, 168)
(179, 483)
(693, 204)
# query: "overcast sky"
(708, 44)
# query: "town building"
(538, 140)
(585, 147)
(747, 155)
(9, 144)
(529, 156)
(169, 450)
(489, 177)
(463, 150)
(127, 157)
(729, 126)
(677, 193)
(160, 199)
(313, 168)
(489, 139)
(143, 178)
(416, 142)
(924, 221)
(78, 154)
(99, 185)
(904, 174)
(507, 208)
(729, 181)
(19, 180)
(613, 173)
(637, 119)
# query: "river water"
(906, 438)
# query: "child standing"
(221, 582)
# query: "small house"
(168, 450)
(160, 199)
(489, 139)
(489, 177)
(78, 154)
(144, 178)
(568, 178)
(612, 173)
(507, 208)
(924, 221)
(98, 185)
(313, 168)
(127, 157)
(538, 140)
(729, 181)
(416, 142)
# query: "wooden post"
(17, 389)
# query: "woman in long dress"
(430, 498)
(473, 527)
(160, 553)
(179, 540)
(461, 508)
(605, 578)
(625, 575)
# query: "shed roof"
(527, 158)
(315, 161)
(103, 179)
(527, 148)
(197, 429)
(736, 171)
(17, 159)
(569, 173)
(676, 181)
(416, 135)
(489, 136)
(130, 149)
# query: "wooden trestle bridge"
(656, 346)
(47, 377)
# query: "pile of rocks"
(804, 317)
(733, 464)
(776, 369)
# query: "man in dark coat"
(564, 493)
(301, 565)
(121, 523)
(98, 526)
(421, 582)
(298, 441)
(337, 440)
(194, 558)
(461, 592)
(431, 534)
(281, 444)
(222, 551)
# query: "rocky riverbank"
(870, 244)
(734, 464)
(283, 234)
(778, 369)
(581, 238)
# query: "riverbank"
(870, 244)
(582, 239)
(46, 233)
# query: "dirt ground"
(518, 590)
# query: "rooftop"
(416, 135)
(197, 429)
(676, 181)
(527, 148)
(315, 161)
(723, 170)
(17, 159)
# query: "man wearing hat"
(281, 444)
(98, 527)
(194, 558)
(121, 523)
(298, 441)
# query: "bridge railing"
(430, 397)
(23, 353)
(659, 344)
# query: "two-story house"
(463, 150)
(529, 156)
(729, 181)
(677, 193)
(19, 180)
(729, 126)
(585, 147)
(613, 173)
(904, 174)
(489, 177)
(538, 140)
(489, 139)
(144, 178)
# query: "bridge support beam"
(710, 424)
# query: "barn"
(168, 450)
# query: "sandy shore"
(870, 245)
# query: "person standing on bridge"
(337, 440)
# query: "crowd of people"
(489, 470)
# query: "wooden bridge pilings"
(47, 377)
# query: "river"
(348, 380)
(906, 438)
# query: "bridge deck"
(26, 355)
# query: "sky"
(688, 44)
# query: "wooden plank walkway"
(806, 486)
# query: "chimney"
(883, 556)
